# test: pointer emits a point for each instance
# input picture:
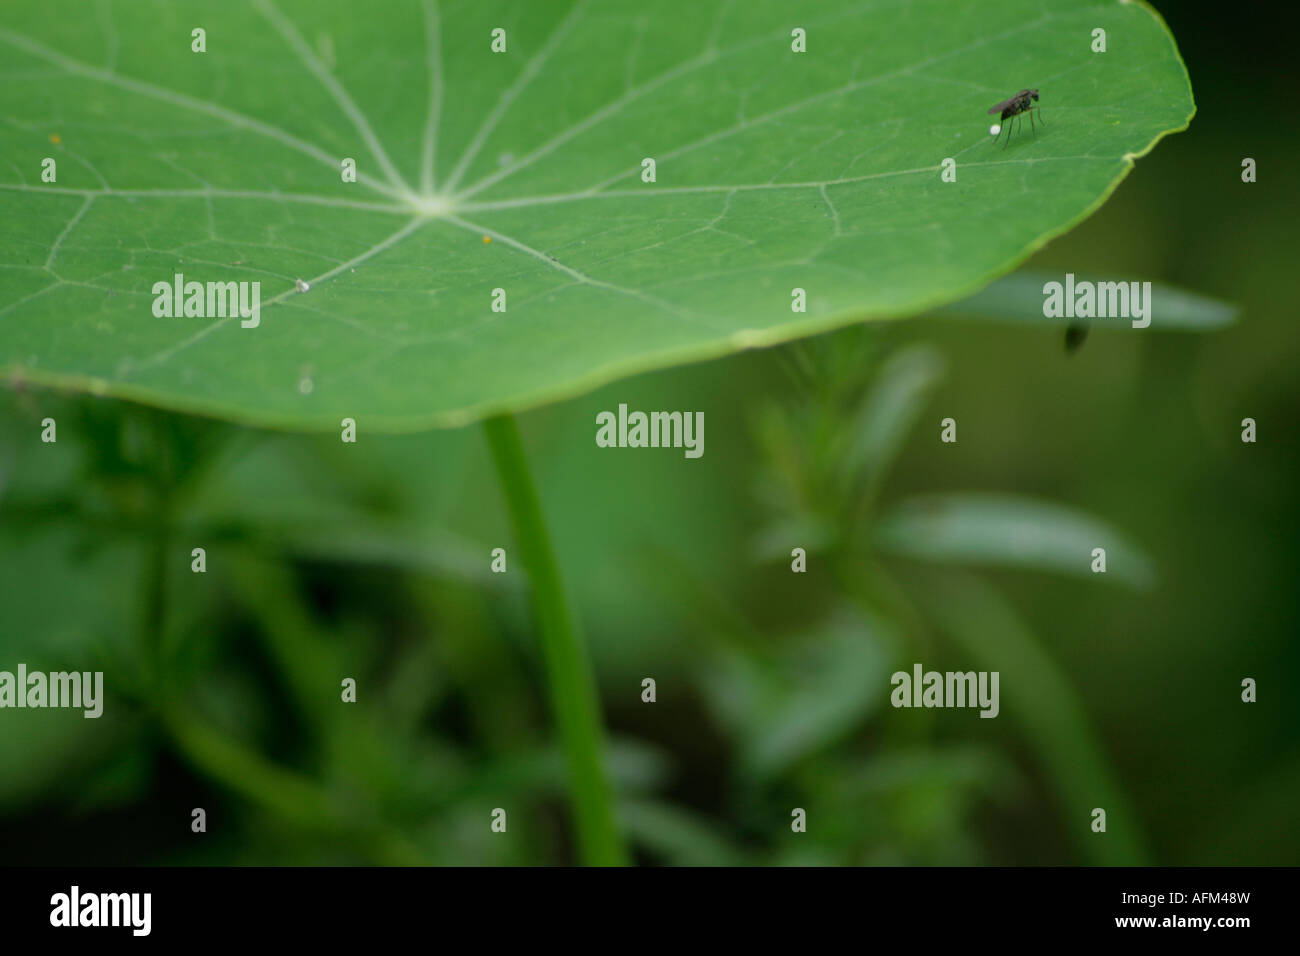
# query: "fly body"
(1015, 107)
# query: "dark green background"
(1140, 428)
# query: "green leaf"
(1019, 298)
(679, 836)
(814, 698)
(890, 411)
(1039, 699)
(776, 170)
(983, 528)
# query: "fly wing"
(1001, 106)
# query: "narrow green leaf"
(1040, 700)
(889, 412)
(815, 696)
(979, 528)
(1020, 297)
(680, 837)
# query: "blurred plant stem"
(572, 685)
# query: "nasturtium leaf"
(523, 170)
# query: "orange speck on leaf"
(55, 138)
(487, 239)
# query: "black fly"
(1021, 103)
(1075, 333)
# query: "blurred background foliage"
(371, 561)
